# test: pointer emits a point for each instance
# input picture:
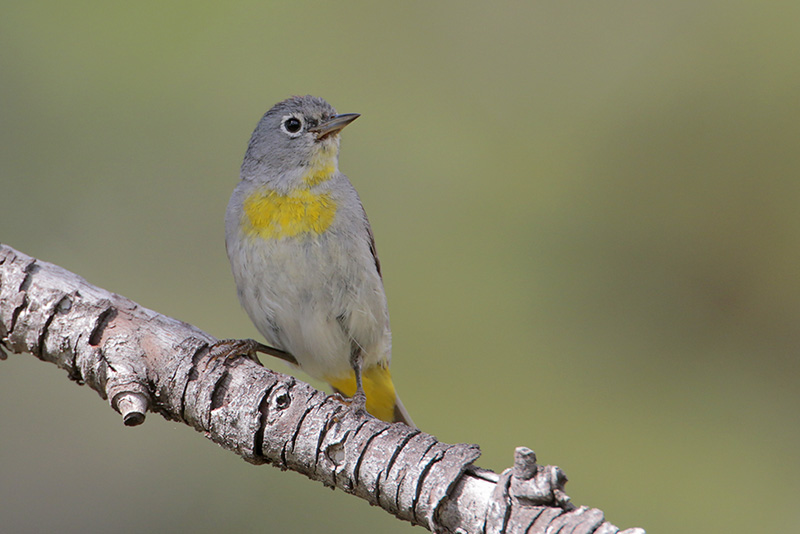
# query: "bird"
(303, 257)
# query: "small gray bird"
(303, 256)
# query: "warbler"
(304, 260)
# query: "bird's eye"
(292, 125)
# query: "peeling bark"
(142, 361)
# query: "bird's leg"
(358, 402)
(230, 349)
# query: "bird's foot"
(357, 404)
(229, 350)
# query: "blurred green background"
(588, 215)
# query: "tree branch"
(141, 360)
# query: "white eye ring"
(292, 125)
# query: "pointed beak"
(334, 125)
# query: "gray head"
(296, 137)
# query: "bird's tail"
(382, 400)
(401, 414)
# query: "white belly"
(311, 296)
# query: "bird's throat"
(322, 165)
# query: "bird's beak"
(333, 125)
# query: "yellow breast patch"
(271, 215)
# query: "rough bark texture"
(141, 360)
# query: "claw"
(357, 404)
(231, 349)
